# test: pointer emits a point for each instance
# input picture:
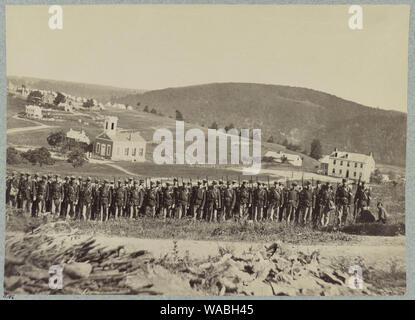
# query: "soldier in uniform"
(105, 200)
(13, 190)
(48, 200)
(168, 201)
(182, 201)
(343, 201)
(274, 202)
(95, 207)
(306, 204)
(135, 198)
(120, 198)
(86, 199)
(245, 200)
(316, 203)
(152, 199)
(261, 202)
(24, 195)
(56, 195)
(199, 200)
(292, 203)
(229, 201)
(362, 198)
(212, 202)
(64, 205)
(72, 198)
(326, 204)
(161, 187)
(41, 189)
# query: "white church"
(119, 145)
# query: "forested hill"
(296, 114)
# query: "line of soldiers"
(87, 199)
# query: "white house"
(34, 112)
(79, 136)
(279, 157)
(119, 145)
(351, 165)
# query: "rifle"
(268, 182)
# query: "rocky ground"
(101, 264)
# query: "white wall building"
(79, 136)
(114, 144)
(34, 112)
(351, 165)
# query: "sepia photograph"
(210, 150)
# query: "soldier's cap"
(174, 179)
(141, 181)
(158, 182)
(318, 182)
(344, 180)
(88, 179)
(275, 182)
(72, 178)
(96, 180)
(119, 180)
(50, 175)
(79, 177)
(44, 176)
(220, 181)
(66, 177)
(56, 175)
(244, 182)
(135, 182)
(36, 174)
(130, 179)
(199, 183)
(27, 174)
(204, 181)
(294, 184)
(167, 184)
(307, 183)
(106, 180)
(233, 181)
(214, 183)
(189, 183)
(126, 180)
(14, 173)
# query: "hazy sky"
(158, 46)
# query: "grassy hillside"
(99, 92)
(145, 122)
(296, 114)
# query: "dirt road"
(38, 126)
(378, 252)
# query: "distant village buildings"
(280, 157)
(348, 165)
(79, 136)
(119, 145)
(33, 112)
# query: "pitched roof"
(126, 135)
(358, 157)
